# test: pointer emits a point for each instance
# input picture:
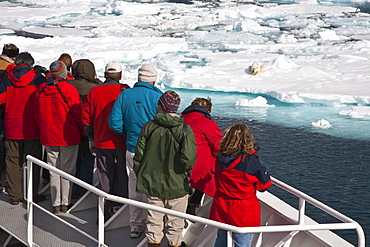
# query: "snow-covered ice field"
(315, 55)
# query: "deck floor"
(50, 232)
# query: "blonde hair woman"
(238, 175)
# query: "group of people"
(143, 149)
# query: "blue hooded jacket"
(132, 109)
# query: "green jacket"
(161, 163)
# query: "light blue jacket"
(132, 109)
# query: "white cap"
(113, 67)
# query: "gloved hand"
(91, 146)
(41, 69)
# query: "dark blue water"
(331, 169)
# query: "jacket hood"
(147, 85)
(197, 108)
(6, 58)
(20, 75)
(84, 69)
(50, 88)
(168, 119)
(225, 161)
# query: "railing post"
(29, 203)
(301, 211)
(361, 236)
(229, 239)
(101, 221)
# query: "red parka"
(58, 113)
(17, 91)
(237, 179)
(207, 136)
(95, 113)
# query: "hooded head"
(170, 101)
(84, 69)
(147, 73)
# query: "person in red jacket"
(58, 114)
(17, 92)
(109, 147)
(67, 60)
(207, 136)
(239, 174)
(8, 55)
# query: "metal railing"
(348, 223)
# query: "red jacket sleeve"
(214, 138)
(75, 106)
(86, 112)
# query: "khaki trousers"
(63, 158)
(137, 215)
(156, 222)
(16, 151)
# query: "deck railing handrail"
(348, 223)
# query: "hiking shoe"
(15, 201)
(56, 210)
(136, 231)
(63, 209)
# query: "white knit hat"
(147, 73)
